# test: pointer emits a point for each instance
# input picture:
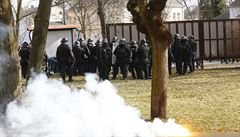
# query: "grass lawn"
(205, 101)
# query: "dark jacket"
(123, 54)
(143, 54)
(64, 55)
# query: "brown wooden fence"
(217, 39)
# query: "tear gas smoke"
(48, 108)
(4, 62)
(3, 31)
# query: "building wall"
(174, 14)
(234, 12)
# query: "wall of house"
(54, 40)
(234, 12)
(174, 14)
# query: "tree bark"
(159, 79)
(9, 64)
(147, 17)
(41, 22)
(101, 14)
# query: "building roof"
(58, 27)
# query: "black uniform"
(65, 60)
(170, 60)
(185, 55)
(122, 53)
(133, 67)
(79, 54)
(96, 53)
(193, 45)
(143, 60)
(175, 49)
(105, 54)
(24, 53)
(92, 64)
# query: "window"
(174, 16)
(178, 16)
(60, 12)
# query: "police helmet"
(183, 38)
(77, 43)
(133, 42)
(176, 36)
(114, 39)
(89, 40)
(122, 41)
(191, 37)
(25, 44)
(104, 40)
(81, 39)
(64, 40)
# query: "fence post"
(201, 42)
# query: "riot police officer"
(193, 45)
(113, 46)
(175, 49)
(24, 54)
(133, 67)
(123, 54)
(78, 52)
(185, 55)
(143, 59)
(104, 60)
(65, 59)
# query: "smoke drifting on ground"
(48, 108)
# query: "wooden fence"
(217, 39)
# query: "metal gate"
(217, 39)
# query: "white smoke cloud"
(4, 62)
(48, 108)
(3, 31)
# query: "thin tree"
(9, 64)
(147, 15)
(102, 16)
(41, 22)
(84, 10)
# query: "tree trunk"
(159, 79)
(101, 14)
(41, 22)
(148, 17)
(19, 7)
(9, 64)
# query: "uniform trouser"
(115, 70)
(144, 67)
(86, 67)
(170, 66)
(66, 69)
(133, 68)
(124, 70)
(187, 63)
(78, 68)
(24, 66)
(193, 62)
(104, 71)
(178, 62)
(92, 67)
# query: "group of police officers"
(183, 52)
(103, 56)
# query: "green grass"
(205, 101)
